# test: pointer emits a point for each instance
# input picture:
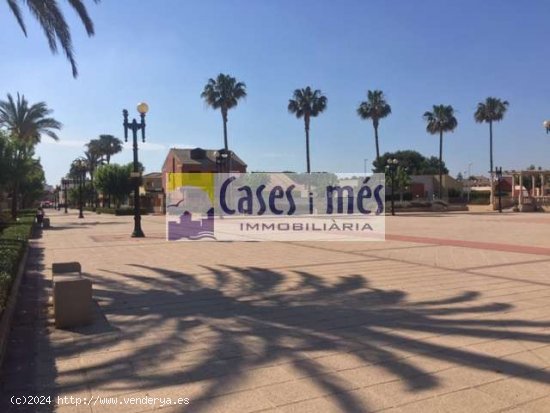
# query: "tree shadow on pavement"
(207, 334)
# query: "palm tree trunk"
(306, 121)
(440, 165)
(224, 116)
(491, 147)
(376, 141)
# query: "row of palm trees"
(225, 91)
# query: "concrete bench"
(65, 267)
(72, 296)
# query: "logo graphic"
(275, 207)
(190, 194)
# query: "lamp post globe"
(142, 108)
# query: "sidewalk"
(439, 318)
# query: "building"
(152, 193)
(426, 186)
(201, 160)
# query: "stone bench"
(72, 296)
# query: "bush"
(13, 241)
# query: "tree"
(460, 177)
(416, 163)
(492, 110)
(223, 93)
(440, 120)
(402, 180)
(53, 23)
(306, 104)
(375, 108)
(108, 146)
(32, 185)
(93, 160)
(115, 181)
(22, 174)
(25, 124)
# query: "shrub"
(13, 241)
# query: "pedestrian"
(39, 215)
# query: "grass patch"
(13, 240)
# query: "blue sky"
(419, 53)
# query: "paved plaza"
(450, 314)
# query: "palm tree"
(223, 93)
(108, 146)
(53, 23)
(93, 160)
(25, 124)
(307, 103)
(492, 110)
(375, 108)
(440, 120)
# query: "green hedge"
(13, 240)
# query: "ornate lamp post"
(65, 183)
(80, 169)
(134, 126)
(221, 160)
(58, 196)
(391, 167)
(498, 172)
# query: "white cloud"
(146, 146)
(71, 143)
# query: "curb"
(7, 315)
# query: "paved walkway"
(451, 314)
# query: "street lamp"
(58, 196)
(221, 159)
(134, 126)
(79, 165)
(391, 167)
(498, 172)
(65, 183)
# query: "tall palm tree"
(53, 23)
(492, 110)
(223, 93)
(25, 124)
(375, 107)
(441, 119)
(306, 103)
(108, 146)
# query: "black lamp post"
(498, 172)
(221, 159)
(391, 167)
(80, 169)
(134, 126)
(65, 183)
(56, 198)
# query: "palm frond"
(14, 6)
